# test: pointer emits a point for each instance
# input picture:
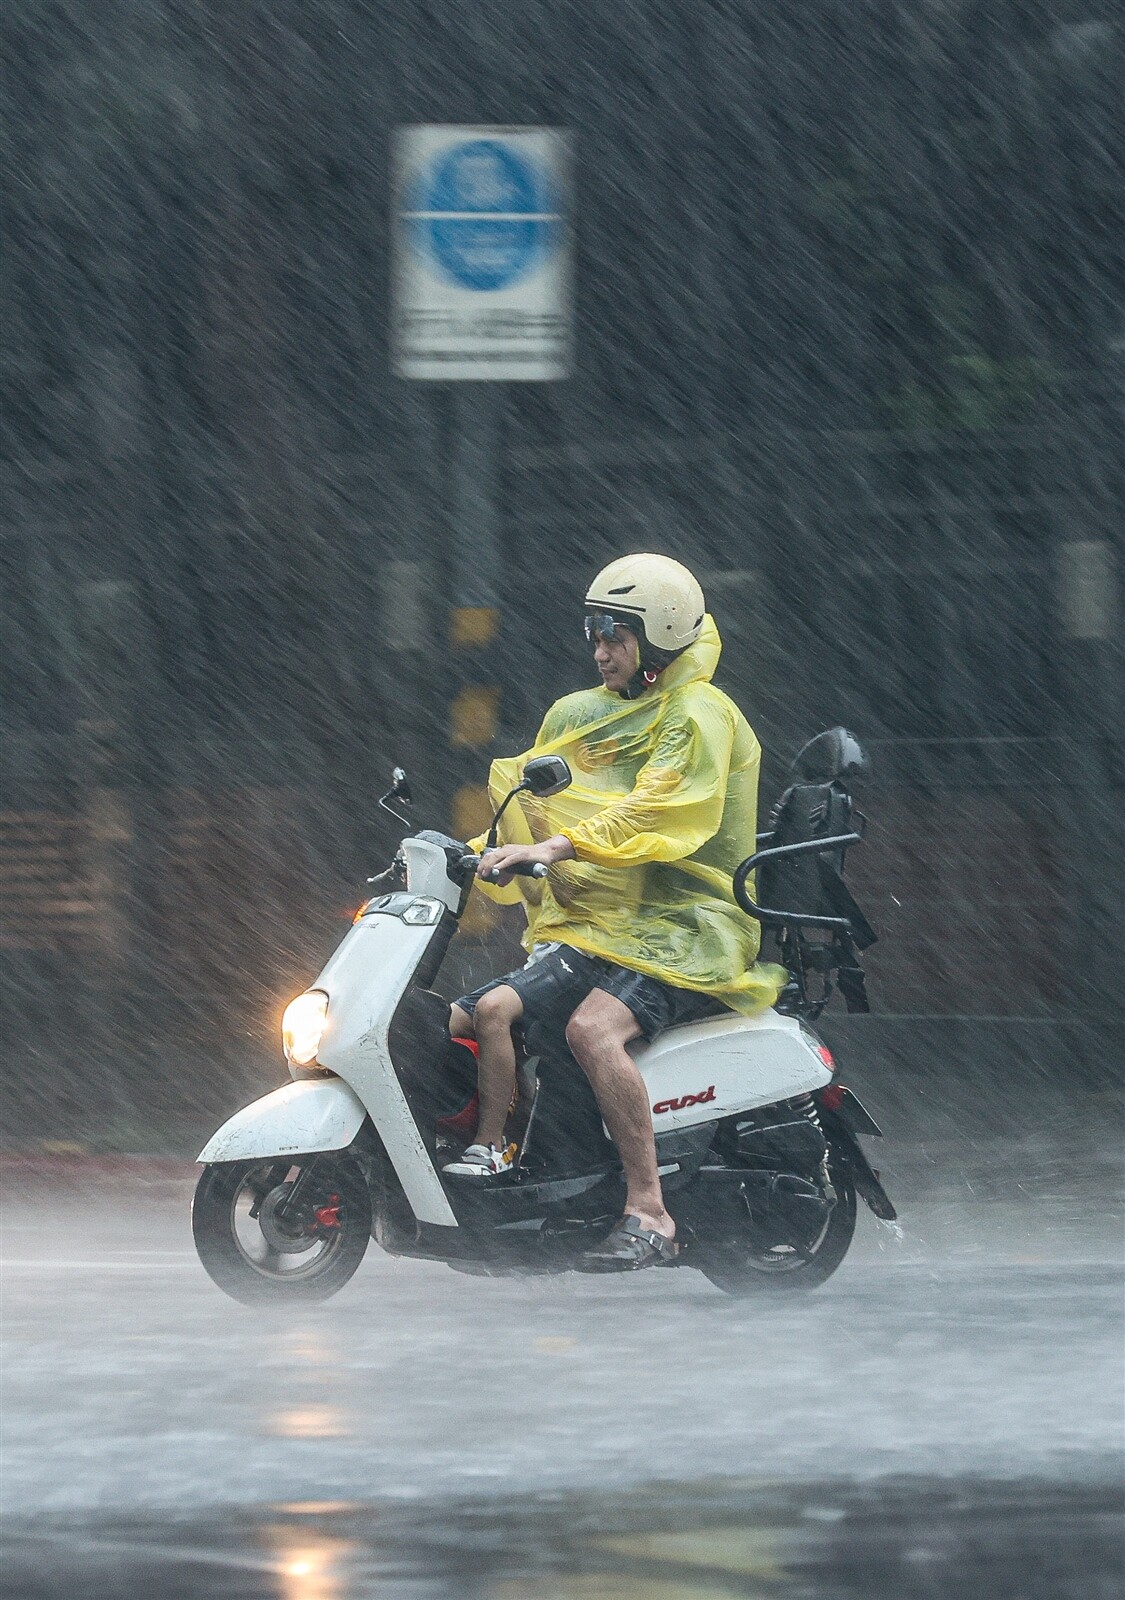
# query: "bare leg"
(496, 1012)
(460, 1023)
(597, 1034)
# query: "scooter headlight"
(303, 1025)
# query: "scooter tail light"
(832, 1097)
(819, 1048)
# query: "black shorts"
(553, 988)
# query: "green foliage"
(972, 392)
(942, 328)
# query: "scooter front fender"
(299, 1119)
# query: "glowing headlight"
(303, 1025)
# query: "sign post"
(481, 280)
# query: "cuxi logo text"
(699, 1099)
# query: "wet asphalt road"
(956, 1393)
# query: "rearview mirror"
(545, 775)
(399, 790)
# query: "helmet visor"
(605, 626)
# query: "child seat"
(800, 890)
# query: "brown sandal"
(628, 1248)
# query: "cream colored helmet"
(661, 594)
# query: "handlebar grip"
(390, 878)
(519, 869)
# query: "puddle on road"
(901, 1540)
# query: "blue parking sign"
(484, 214)
(481, 280)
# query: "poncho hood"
(698, 664)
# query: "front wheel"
(758, 1265)
(282, 1230)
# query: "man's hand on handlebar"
(507, 860)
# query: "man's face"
(617, 660)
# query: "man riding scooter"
(635, 927)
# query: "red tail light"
(826, 1056)
(832, 1098)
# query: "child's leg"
(494, 1016)
(461, 1023)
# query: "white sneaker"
(484, 1161)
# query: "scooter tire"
(748, 1272)
(252, 1281)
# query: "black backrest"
(805, 811)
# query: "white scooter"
(755, 1136)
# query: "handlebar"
(519, 869)
(782, 919)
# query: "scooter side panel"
(364, 980)
(314, 1114)
(702, 1071)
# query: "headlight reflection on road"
(308, 1565)
(309, 1422)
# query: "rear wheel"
(759, 1265)
(282, 1230)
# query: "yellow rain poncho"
(662, 809)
